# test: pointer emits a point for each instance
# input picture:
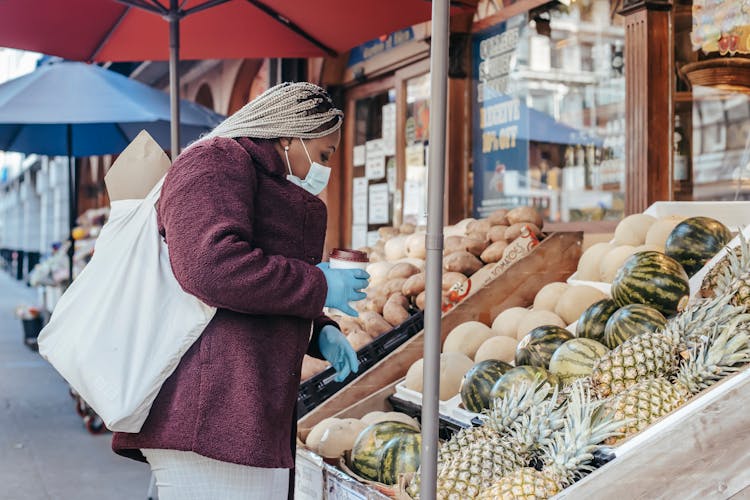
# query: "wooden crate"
(699, 451)
(555, 259)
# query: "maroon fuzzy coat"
(245, 240)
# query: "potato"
(378, 272)
(312, 366)
(478, 226)
(376, 257)
(396, 310)
(525, 214)
(347, 324)
(358, 339)
(451, 278)
(386, 233)
(453, 244)
(494, 252)
(395, 248)
(419, 301)
(514, 231)
(476, 246)
(462, 262)
(375, 324)
(463, 225)
(393, 286)
(414, 285)
(375, 302)
(497, 233)
(499, 217)
(402, 270)
(415, 246)
(407, 228)
(418, 263)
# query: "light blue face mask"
(317, 177)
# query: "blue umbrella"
(76, 109)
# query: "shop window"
(712, 102)
(549, 114)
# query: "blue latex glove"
(338, 351)
(344, 286)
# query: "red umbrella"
(135, 30)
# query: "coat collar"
(264, 155)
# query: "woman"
(245, 229)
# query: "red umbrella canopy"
(106, 30)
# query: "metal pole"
(174, 76)
(72, 199)
(434, 245)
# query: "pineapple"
(732, 266)
(566, 457)
(717, 356)
(652, 355)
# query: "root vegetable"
(375, 324)
(499, 217)
(525, 214)
(462, 262)
(414, 285)
(396, 310)
(514, 231)
(497, 233)
(393, 286)
(402, 270)
(494, 252)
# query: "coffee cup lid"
(348, 254)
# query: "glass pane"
(549, 115)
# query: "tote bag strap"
(153, 195)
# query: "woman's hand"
(344, 286)
(338, 351)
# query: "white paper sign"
(374, 159)
(389, 129)
(308, 480)
(359, 156)
(359, 201)
(391, 169)
(415, 155)
(359, 235)
(378, 204)
(413, 196)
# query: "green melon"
(695, 241)
(575, 359)
(367, 449)
(653, 279)
(537, 347)
(592, 321)
(630, 321)
(399, 456)
(522, 374)
(478, 382)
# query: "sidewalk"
(45, 452)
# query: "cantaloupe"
(313, 438)
(613, 261)
(535, 319)
(498, 347)
(632, 229)
(467, 337)
(546, 299)
(506, 323)
(661, 229)
(339, 437)
(453, 367)
(575, 300)
(375, 417)
(649, 247)
(590, 262)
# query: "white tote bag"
(121, 328)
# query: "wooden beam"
(649, 83)
(506, 13)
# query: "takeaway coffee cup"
(343, 258)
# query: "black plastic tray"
(322, 386)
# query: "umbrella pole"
(434, 246)
(174, 75)
(72, 201)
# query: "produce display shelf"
(322, 386)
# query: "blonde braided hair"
(299, 109)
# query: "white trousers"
(184, 475)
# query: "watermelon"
(575, 359)
(478, 382)
(522, 374)
(399, 456)
(653, 279)
(592, 321)
(537, 347)
(630, 321)
(365, 456)
(695, 241)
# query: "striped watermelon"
(653, 279)
(630, 321)
(478, 382)
(365, 457)
(592, 321)
(575, 359)
(537, 347)
(399, 456)
(695, 241)
(522, 374)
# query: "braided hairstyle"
(299, 109)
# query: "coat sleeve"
(207, 211)
(318, 324)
